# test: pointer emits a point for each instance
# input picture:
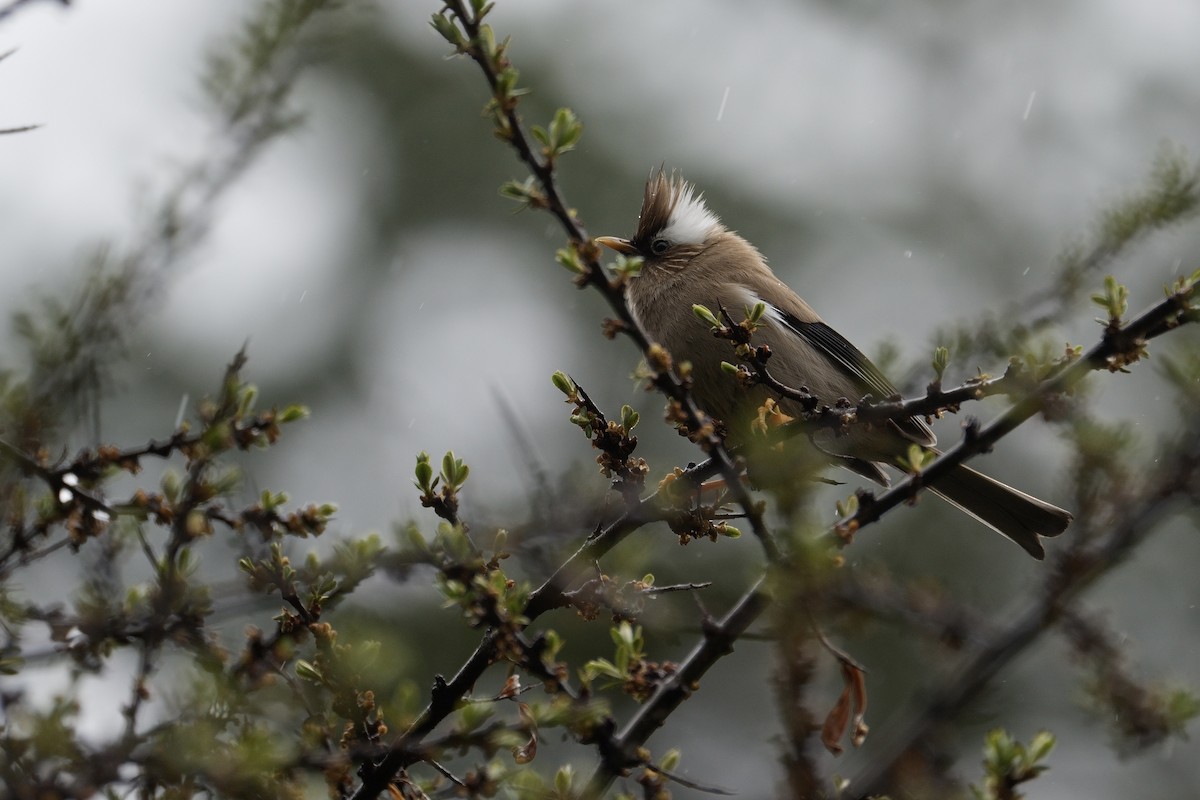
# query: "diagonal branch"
(1119, 346)
(718, 639)
(1176, 477)
(16, 5)
(492, 62)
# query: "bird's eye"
(659, 246)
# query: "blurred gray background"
(904, 166)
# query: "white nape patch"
(691, 222)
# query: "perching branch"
(1176, 476)
(1119, 346)
(480, 46)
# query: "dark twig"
(1176, 478)
(718, 638)
(679, 587)
(376, 776)
(16, 5)
(1119, 346)
(665, 378)
(687, 782)
(445, 773)
(718, 641)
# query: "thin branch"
(665, 378)
(718, 641)
(719, 638)
(447, 774)
(679, 587)
(1119, 346)
(16, 5)
(1176, 478)
(688, 783)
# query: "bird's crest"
(672, 209)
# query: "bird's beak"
(620, 245)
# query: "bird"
(690, 258)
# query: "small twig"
(447, 774)
(28, 556)
(665, 378)
(719, 636)
(1072, 573)
(685, 782)
(1117, 346)
(678, 587)
(17, 5)
(540, 492)
(718, 641)
(841, 655)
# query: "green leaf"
(704, 315)
(941, 359)
(565, 130)
(520, 191)
(598, 667)
(569, 259)
(307, 672)
(424, 473)
(1182, 707)
(554, 643)
(472, 715)
(454, 471)
(293, 413)
(487, 42)
(916, 458)
(847, 507)
(1043, 742)
(246, 398)
(171, 485)
(448, 30)
(563, 780)
(628, 266)
(563, 383)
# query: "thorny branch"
(1119, 346)
(1177, 476)
(68, 481)
(1120, 343)
(1017, 380)
(718, 641)
(666, 379)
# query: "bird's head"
(674, 226)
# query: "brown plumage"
(691, 258)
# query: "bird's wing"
(867, 375)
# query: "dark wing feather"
(868, 376)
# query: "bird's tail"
(1008, 511)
